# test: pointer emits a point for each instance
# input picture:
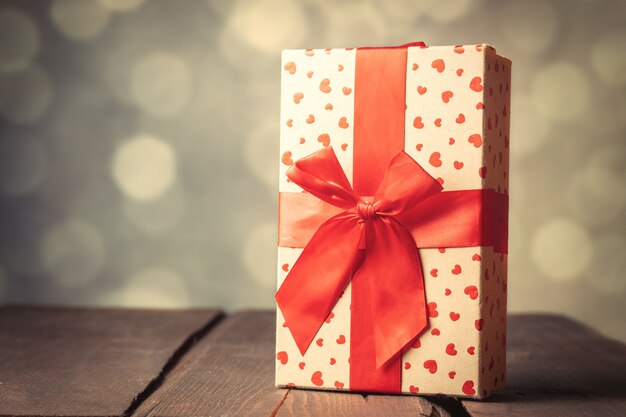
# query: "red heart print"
(435, 332)
(330, 316)
(290, 385)
(454, 316)
(421, 90)
(476, 257)
(343, 123)
(446, 96)
(347, 90)
(479, 324)
(448, 291)
(431, 365)
(450, 350)
(319, 342)
(458, 165)
(339, 67)
(309, 52)
(328, 106)
(310, 119)
(414, 389)
(316, 379)
(286, 159)
(419, 146)
(285, 267)
(417, 123)
(290, 122)
(415, 67)
(457, 269)
(433, 272)
(333, 361)
(468, 388)
(301, 365)
(338, 385)
(407, 365)
(417, 344)
(302, 140)
(461, 118)
(482, 172)
(435, 159)
(475, 139)
(344, 146)
(459, 72)
(451, 374)
(282, 357)
(438, 122)
(451, 141)
(471, 350)
(476, 84)
(309, 74)
(341, 339)
(472, 291)
(297, 97)
(439, 65)
(324, 139)
(432, 309)
(325, 86)
(290, 67)
(439, 180)
(459, 49)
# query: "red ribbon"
(374, 241)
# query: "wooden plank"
(230, 372)
(558, 367)
(77, 362)
(310, 403)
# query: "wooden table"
(90, 362)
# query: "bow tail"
(398, 299)
(319, 276)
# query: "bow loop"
(404, 185)
(321, 175)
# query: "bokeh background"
(139, 144)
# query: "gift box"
(393, 216)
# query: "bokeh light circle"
(26, 95)
(608, 58)
(561, 249)
(260, 153)
(268, 25)
(19, 39)
(144, 167)
(259, 254)
(122, 5)
(530, 26)
(597, 195)
(153, 287)
(23, 166)
(73, 253)
(608, 266)
(161, 84)
(560, 91)
(79, 20)
(529, 128)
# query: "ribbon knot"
(365, 210)
(365, 244)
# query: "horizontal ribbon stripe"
(449, 219)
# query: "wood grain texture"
(558, 367)
(310, 403)
(230, 372)
(77, 362)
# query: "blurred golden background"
(139, 144)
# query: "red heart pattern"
(441, 130)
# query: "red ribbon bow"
(364, 242)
